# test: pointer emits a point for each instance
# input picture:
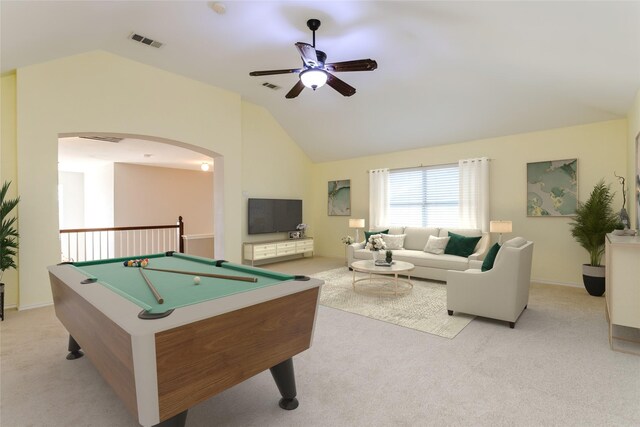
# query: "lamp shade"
(500, 226)
(356, 223)
(313, 78)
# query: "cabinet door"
(304, 246)
(286, 248)
(263, 251)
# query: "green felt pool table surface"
(177, 290)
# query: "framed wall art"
(339, 198)
(552, 188)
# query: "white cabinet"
(623, 291)
(257, 251)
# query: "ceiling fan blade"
(270, 72)
(355, 65)
(340, 86)
(308, 54)
(295, 91)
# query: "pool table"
(163, 358)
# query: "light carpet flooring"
(554, 369)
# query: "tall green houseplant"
(594, 219)
(8, 237)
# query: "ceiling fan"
(315, 72)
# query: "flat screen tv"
(274, 215)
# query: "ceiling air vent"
(270, 86)
(103, 138)
(145, 40)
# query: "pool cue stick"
(195, 273)
(153, 289)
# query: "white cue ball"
(196, 280)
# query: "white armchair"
(500, 293)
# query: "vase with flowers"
(302, 228)
(375, 244)
(347, 240)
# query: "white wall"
(600, 149)
(98, 197)
(147, 195)
(72, 199)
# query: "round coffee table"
(390, 285)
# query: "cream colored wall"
(633, 119)
(601, 149)
(146, 195)
(100, 92)
(9, 169)
(273, 166)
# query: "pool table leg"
(176, 421)
(74, 349)
(286, 381)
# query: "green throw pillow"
(461, 245)
(487, 264)
(368, 234)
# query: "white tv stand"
(259, 251)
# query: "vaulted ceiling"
(447, 71)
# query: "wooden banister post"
(181, 234)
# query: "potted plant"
(594, 219)
(8, 238)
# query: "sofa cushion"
(435, 245)
(417, 237)
(516, 242)
(425, 259)
(395, 229)
(461, 245)
(368, 234)
(394, 241)
(487, 264)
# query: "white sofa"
(428, 265)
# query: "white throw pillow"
(436, 245)
(394, 241)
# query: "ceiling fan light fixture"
(313, 78)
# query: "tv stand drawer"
(258, 251)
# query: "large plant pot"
(594, 279)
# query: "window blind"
(424, 197)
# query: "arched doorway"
(119, 180)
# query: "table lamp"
(357, 224)
(500, 227)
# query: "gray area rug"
(424, 308)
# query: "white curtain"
(474, 193)
(378, 198)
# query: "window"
(424, 197)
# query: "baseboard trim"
(551, 282)
(32, 306)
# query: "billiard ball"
(196, 280)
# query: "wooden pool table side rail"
(202, 359)
(110, 350)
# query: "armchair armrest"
(475, 264)
(351, 249)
